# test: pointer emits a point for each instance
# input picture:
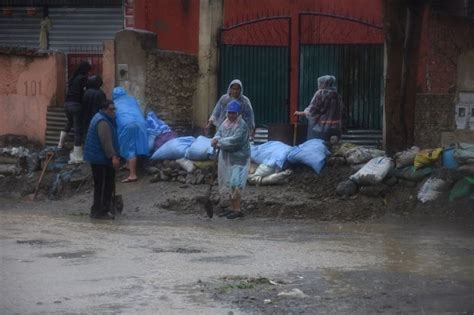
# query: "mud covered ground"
(299, 249)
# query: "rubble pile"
(181, 170)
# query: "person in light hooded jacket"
(235, 91)
(325, 112)
(232, 138)
(131, 130)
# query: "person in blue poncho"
(131, 130)
(235, 91)
(232, 138)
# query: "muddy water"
(55, 261)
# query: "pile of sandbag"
(14, 160)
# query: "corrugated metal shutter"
(264, 72)
(83, 29)
(19, 29)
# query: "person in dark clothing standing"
(92, 99)
(100, 151)
(74, 110)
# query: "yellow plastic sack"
(427, 157)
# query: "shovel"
(49, 157)
(212, 176)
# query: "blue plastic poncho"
(219, 113)
(234, 157)
(131, 125)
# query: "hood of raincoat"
(327, 82)
(118, 92)
(236, 81)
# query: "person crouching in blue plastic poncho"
(232, 138)
(131, 130)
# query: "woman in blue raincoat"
(131, 130)
(235, 91)
(232, 138)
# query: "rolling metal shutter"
(19, 29)
(83, 29)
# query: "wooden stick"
(49, 157)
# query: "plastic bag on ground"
(465, 153)
(431, 189)
(427, 157)
(155, 125)
(406, 157)
(271, 153)
(360, 155)
(412, 174)
(173, 149)
(264, 170)
(279, 178)
(373, 172)
(200, 149)
(163, 138)
(186, 165)
(311, 153)
(462, 188)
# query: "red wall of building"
(303, 29)
(444, 39)
(176, 23)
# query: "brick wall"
(170, 86)
(434, 114)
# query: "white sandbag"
(360, 155)
(373, 172)
(186, 165)
(264, 170)
(406, 157)
(431, 189)
(273, 179)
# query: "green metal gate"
(263, 69)
(358, 69)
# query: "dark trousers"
(75, 120)
(104, 185)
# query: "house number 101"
(32, 88)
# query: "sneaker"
(235, 215)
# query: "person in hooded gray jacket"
(235, 91)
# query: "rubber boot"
(76, 156)
(62, 139)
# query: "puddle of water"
(179, 250)
(71, 255)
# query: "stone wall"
(434, 115)
(170, 86)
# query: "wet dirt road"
(58, 261)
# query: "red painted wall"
(444, 39)
(176, 23)
(314, 30)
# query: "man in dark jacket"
(92, 99)
(101, 152)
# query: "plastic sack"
(412, 174)
(343, 148)
(406, 157)
(465, 153)
(155, 125)
(131, 125)
(311, 153)
(461, 189)
(200, 149)
(272, 179)
(264, 170)
(373, 172)
(431, 189)
(186, 165)
(427, 157)
(271, 153)
(163, 138)
(173, 149)
(360, 155)
(151, 142)
(448, 159)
